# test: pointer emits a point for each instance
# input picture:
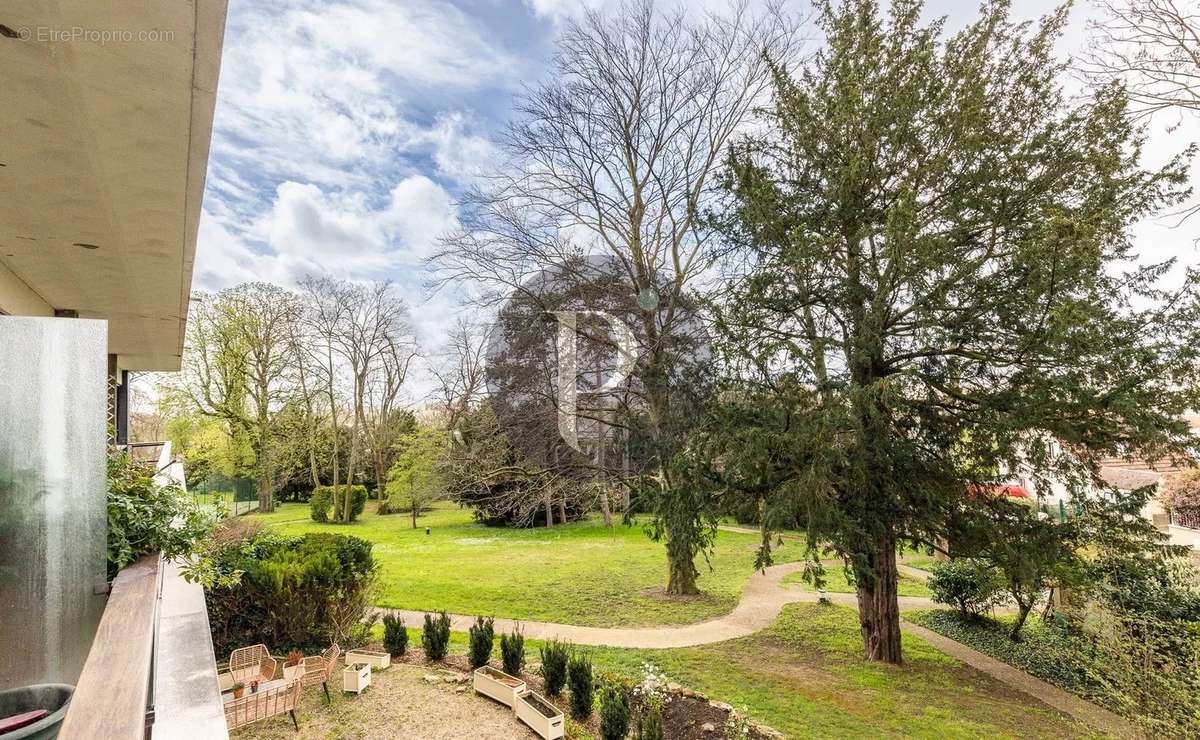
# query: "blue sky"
(345, 129)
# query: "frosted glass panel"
(53, 403)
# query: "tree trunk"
(878, 605)
(681, 567)
(549, 511)
(605, 511)
(265, 505)
(414, 513)
(562, 508)
(1023, 609)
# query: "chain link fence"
(239, 495)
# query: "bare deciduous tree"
(459, 370)
(324, 315)
(1154, 47)
(384, 416)
(616, 156)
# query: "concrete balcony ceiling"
(104, 133)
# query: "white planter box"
(541, 716)
(356, 677)
(497, 684)
(376, 659)
(225, 681)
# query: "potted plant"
(497, 684)
(292, 666)
(254, 686)
(356, 677)
(239, 688)
(378, 659)
(541, 716)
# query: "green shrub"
(512, 652)
(554, 666)
(144, 517)
(969, 585)
(395, 635)
(358, 500)
(294, 592)
(583, 686)
(319, 503)
(481, 636)
(650, 723)
(614, 712)
(435, 636)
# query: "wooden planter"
(225, 681)
(497, 684)
(292, 672)
(376, 659)
(541, 716)
(356, 677)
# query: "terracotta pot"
(238, 692)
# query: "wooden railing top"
(111, 697)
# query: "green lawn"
(923, 562)
(805, 676)
(836, 582)
(581, 573)
(205, 499)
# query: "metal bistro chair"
(264, 704)
(318, 669)
(252, 663)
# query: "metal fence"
(239, 495)
(1189, 519)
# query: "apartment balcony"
(106, 125)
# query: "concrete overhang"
(104, 132)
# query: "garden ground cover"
(806, 677)
(581, 573)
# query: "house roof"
(1129, 478)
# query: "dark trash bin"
(52, 697)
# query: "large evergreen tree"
(937, 285)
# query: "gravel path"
(398, 704)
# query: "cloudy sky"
(345, 129)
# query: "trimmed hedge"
(294, 592)
(319, 503)
(324, 497)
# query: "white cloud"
(309, 230)
(458, 151)
(559, 10)
(421, 212)
(307, 90)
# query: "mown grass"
(581, 573)
(806, 677)
(836, 582)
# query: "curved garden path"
(763, 598)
